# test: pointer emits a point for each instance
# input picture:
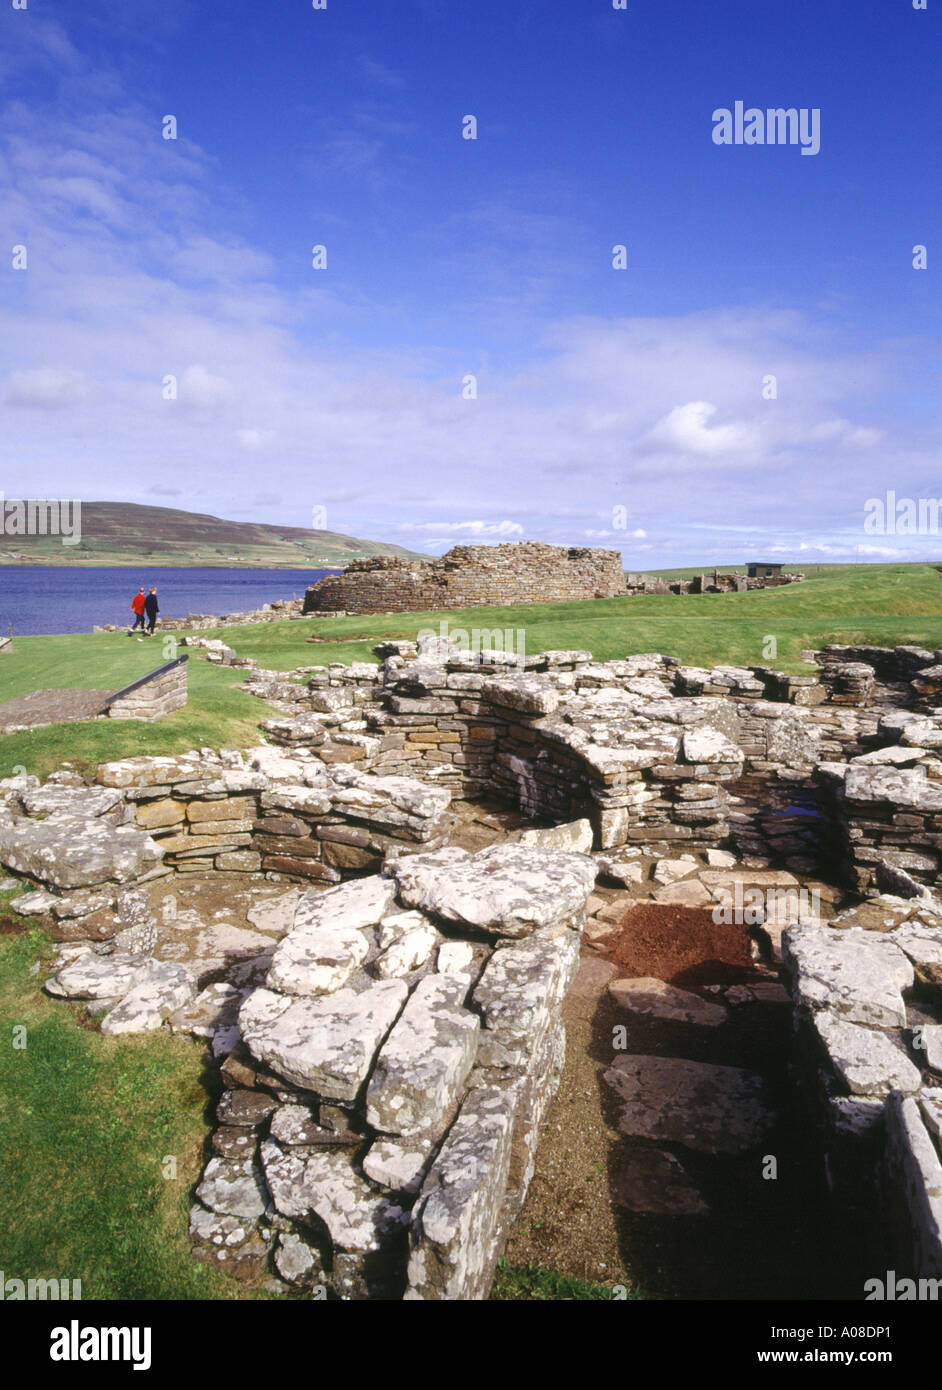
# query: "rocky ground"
(673, 1157)
(51, 707)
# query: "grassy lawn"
(883, 604)
(218, 713)
(87, 1124)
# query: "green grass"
(533, 1284)
(87, 1123)
(217, 714)
(882, 604)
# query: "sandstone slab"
(325, 1044)
(866, 1060)
(426, 1059)
(713, 1109)
(323, 1182)
(149, 1003)
(509, 889)
(649, 996)
(856, 974)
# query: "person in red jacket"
(137, 608)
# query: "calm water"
(47, 598)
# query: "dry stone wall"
(470, 576)
(379, 1131)
(387, 1075)
(867, 990)
(657, 753)
(155, 695)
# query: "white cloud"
(254, 439)
(466, 528)
(46, 388)
(687, 430)
(199, 388)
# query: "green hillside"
(124, 533)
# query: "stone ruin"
(391, 1040)
(707, 583)
(470, 576)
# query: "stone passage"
(470, 576)
(158, 693)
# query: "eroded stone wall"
(470, 576)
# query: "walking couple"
(144, 607)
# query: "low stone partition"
(562, 737)
(912, 1181)
(266, 811)
(153, 696)
(379, 1129)
(887, 802)
(261, 811)
(868, 991)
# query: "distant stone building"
(755, 570)
(470, 576)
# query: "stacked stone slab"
(861, 988)
(887, 802)
(293, 816)
(848, 682)
(380, 1127)
(889, 663)
(926, 686)
(153, 696)
(470, 576)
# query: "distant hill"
(124, 533)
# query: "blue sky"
(620, 408)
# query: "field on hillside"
(128, 533)
(883, 604)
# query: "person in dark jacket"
(151, 609)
